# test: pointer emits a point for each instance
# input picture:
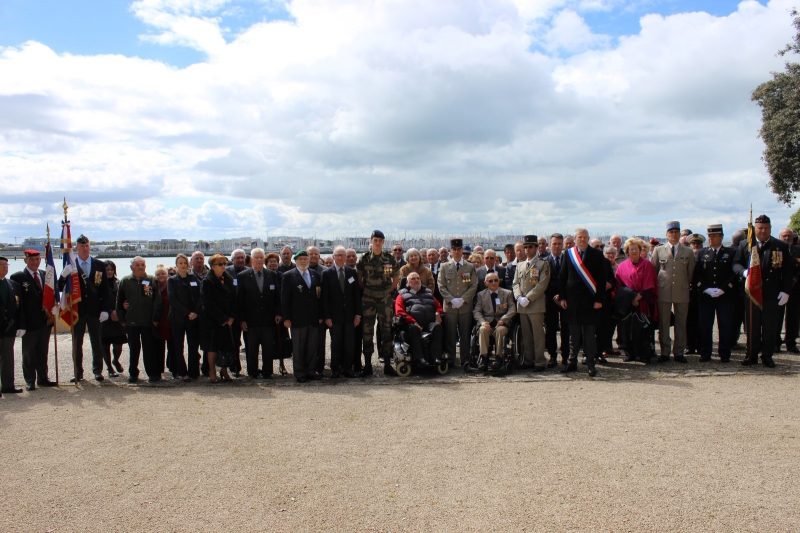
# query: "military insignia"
(16, 300)
(318, 290)
(777, 259)
(300, 288)
(465, 277)
(387, 269)
(98, 278)
(148, 290)
(25, 286)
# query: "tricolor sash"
(583, 272)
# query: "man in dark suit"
(511, 266)
(491, 265)
(258, 298)
(12, 325)
(792, 309)
(776, 286)
(582, 289)
(300, 296)
(433, 260)
(341, 310)
(555, 318)
(239, 265)
(351, 260)
(397, 252)
(93, 307)
(36, 341)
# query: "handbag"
(226, 358)
(284, 344)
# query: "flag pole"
(749, 298)
(55, 317)
(69, 306)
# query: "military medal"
(777, 259)
(387, 269)
(98, 278)
(25, 286)
(465, 277)
(317, 291)
(300, 288)
(534, 274)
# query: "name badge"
(351, 280)
(272, 287)
(235, 282)
(497, 301)
(193, 283)
(145, 282)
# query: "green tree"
(779, 99)
(794, 221)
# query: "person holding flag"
(36, 341)
(765, 263)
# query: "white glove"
(54, 310)
(523, 301)
(746, 273)
(711, 292)
(719, 293)
(456, 302)
(67, 271)
(20, 332)
(103, 316)
(782, 298)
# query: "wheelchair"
(497, 362)
(403, 358)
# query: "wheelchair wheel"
(403, 369)
(518, 352)
(443, 368)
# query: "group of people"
(192, 319)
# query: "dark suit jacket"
(13, 308)
(580, 300)
(35, 315)
(555, 286)
(184, 298)
(258, 308)
(340, 307)
(499, 269)
(94, 289)
(299, 303)
(776, 268)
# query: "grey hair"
(581, 230)
(413, 251)
(610, 248)
(340, 247)
(254, 250)
(236, 251)
(138, 257)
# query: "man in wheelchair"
(494, 310)
(419, 312)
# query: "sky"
(226, 118)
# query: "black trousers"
(304, 350)
(414, 337)
(555, 320)
(92, 323)
(141, 340)
(343, 337)
(582, 336)
(708, 307)
(186, 334)
(165, 353)
(738, 316)
(262, 337)
(319, 363)
(35, 349)
(7, 362)
(791, 312)
(605, 332)
(763, 334)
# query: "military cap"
(763, 219)
(468, 248)
(696, 237)
(673, 224)
(456, 243)
(377, 233)
(530, 239)
(714, 229)
(83, 239)
(301, 253)
(3, 258)
(654, 242)
(32, 253)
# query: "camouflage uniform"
(378, 273)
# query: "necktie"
(558, 263)
(494, 302)
(713, 254)
(582, 252)
(458, 266)
(341, 278)
(490, 271)
(674, 251)
(38, 281)
(260, 281)
(307, 278)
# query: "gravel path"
(667, 448)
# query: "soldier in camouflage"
(378, 275)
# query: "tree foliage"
(779, 99)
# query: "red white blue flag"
(583, 272)
(50, 297)
(72, 289)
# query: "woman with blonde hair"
(636, 301)
(415, 264)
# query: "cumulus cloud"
(446, 116)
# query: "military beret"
(377, 233)
(763, 219)
(714, 229)
(301, 253)
(696, 237)
(83, 239)
(468, 248)
(530, 239)
(456, 243)
(654, 242)
(3, 258)
(32, 253)
(673, 224)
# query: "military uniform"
(792, 309)
(377, 273)
(457, 281)
(713, 273)
(531, 279)
(675, 267)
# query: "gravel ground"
(662, 448)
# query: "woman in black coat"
(111, 331)
(184, 314)
(219, 311)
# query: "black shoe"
(388, 370)
(793, 349)
(592, 371)
(689, 350)
(301, 380)
(12, 390)
(235, 374)
(154, 380)
(569, 368)
(348, 374)
(118, 367)
(663, 359)
(72, 380)
(747, 362)
(768, 362)
(46, 383)
(99, 377)
(705, 360)
(315, 376)
(335, 375)
(112, 374)
(726, 360)
(680, 359)
(552, 363)
(539, 369)
(30, 386)
(133, 379)
(366, 373)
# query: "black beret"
(377, 233)
(83, 239)
(763, 219)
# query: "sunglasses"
(492, 281)
(531, 246)
(398, 250)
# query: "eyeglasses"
(530, 246)
(492, 281)
(217, 265)
(397, 250)
(599, 246)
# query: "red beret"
(32, 253)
